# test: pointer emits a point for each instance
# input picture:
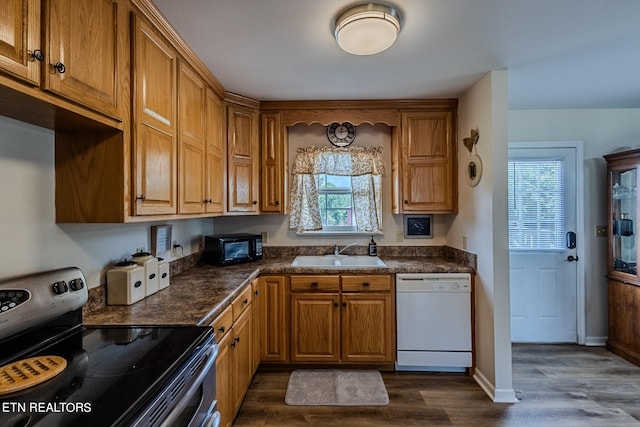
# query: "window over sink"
(337, 190)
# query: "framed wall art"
(418, 226)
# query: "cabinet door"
(272, 184)
(83, 38)
(624, 310)
(155, 142)
(242, 159)
(315, 327)
(256, 287)
(428, 162)
(242, 350)
(224, 370)
(215, 169)
(367, 328)
(191, 140)
(274, 341)
(19, 37)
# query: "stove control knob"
(76, 284)
(60, 287)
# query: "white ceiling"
(559, 53)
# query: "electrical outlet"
(399, 236)
(464, 242)
(174, 248)
(141, 249)
(265, 237)
(601, 231)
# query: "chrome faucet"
(337, 251)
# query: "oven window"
(236, 250)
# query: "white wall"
(277, 226)
(482, 220)
(603, 132)
(32, 241)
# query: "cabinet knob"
(221, 329)
(59, 67)
(335, 304)
(314, 284)
(344, 304)
(38, 55)
(277, 202)
(246, 301)
(237, 339)
(141, 197)
(406, 202)
(255, 202)
(366, 284)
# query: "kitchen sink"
(345, 261)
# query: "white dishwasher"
(433, 321)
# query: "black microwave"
(227, 249)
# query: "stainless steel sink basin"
(344, 261)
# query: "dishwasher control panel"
(433, 282)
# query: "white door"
(543, 242)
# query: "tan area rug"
(335, 387)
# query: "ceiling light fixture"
(367, 29)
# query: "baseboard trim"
(496, 395)
(595, 341)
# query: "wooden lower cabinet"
(273, 319)
(367, 326)
(315, 327)
(342, 319)
(235, 364)
(223, 382)
(242, 356)
(624, 311)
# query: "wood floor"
(557, 385)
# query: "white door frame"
(580, 225)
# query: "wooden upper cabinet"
(427, 166)
(191, 140)
(215, 168)
(82, 53)
(154, 122)
(243, 159)
(273, 176)
(19, 38)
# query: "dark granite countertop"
(198, 295)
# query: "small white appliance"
(125, 283)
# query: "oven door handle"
(179, 406)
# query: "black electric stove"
(115, 376)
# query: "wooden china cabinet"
(622, 273)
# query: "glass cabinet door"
(624, 216)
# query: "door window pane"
(536, 204)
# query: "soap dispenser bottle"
(373, 248)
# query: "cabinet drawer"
(223, 323)
(376, 283)
(241, 302)
(315, 283)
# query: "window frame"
(336, 190)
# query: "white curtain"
(365, 167)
